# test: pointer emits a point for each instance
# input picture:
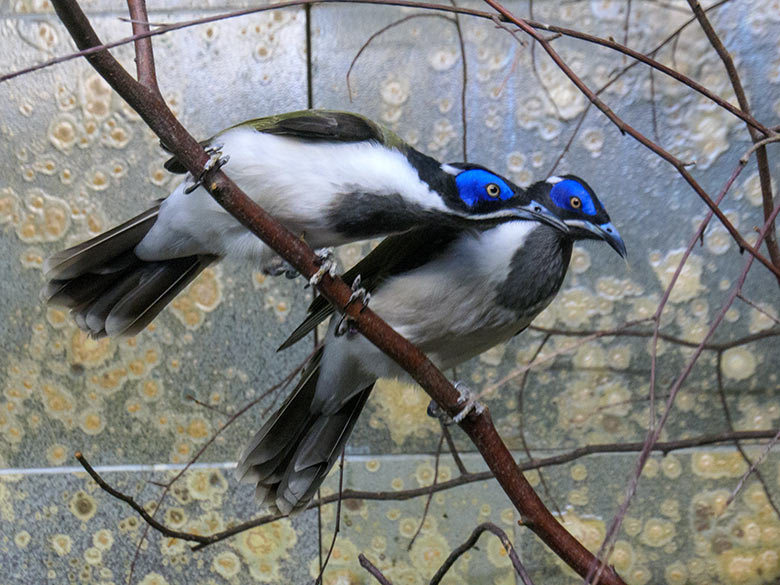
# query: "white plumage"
(296, 182)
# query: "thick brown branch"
(144, 56)
(479, 428)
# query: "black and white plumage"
(330, 177)
(453, 293)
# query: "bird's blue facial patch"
(478, 186)
(573, 196)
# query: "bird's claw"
(216, 161)
(466, 399)
(327, 263)
(279, 267)
(345, 324)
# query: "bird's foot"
(278, 267)
(216, 161)
(327, 264)
(345, 324)
(466, 399)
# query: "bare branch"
(472, 540)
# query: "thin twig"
(379, 33)
(337, 528)
(729, 421)
(453, 449)
(472, 540)
(371, 568)
(664, 448)
(430, 494)
(144, 56)
(754, 469)
(626, 128)
(762, 160)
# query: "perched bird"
(453, 293)
(330, 177)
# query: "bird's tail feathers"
(292, 453)
(109, 290)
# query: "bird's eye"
(575, 202)
(492, 190)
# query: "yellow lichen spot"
(137, 368)
(632, 526)
(402, 409)
(22, 539)
(153, 579)
(57, 402)
(63, 133)
(61, 543)
(651, 468)
(429, 552)
(93, 556)
(580, 260)
(575, 307)
(226, 564)
(56, 318)
(198, 428)
(150, 389)
(397, 484)
(91, 422)
(619, 357)
(714, 464)
(738, 363)
(407, 527)
(110, 380)
(264, 546)
(745, 567)
(579, 472)
(671, 509)
(56, 454)
(622, 556)
(688, 285)
(82, 506)
(578, 497)
(204, 484)
(671, 467)
(759, 320)
(658, 532)
(591, 355)
(89, 352)
(103, 539)
(424, 474)
(373, 465)
(676, 574)
(589, 531)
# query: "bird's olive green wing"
(394, 255)
(313, 125)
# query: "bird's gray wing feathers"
(395, 254)
(95, 255)
(109, 289)
(320, 125)
(291, 454)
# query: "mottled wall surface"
(76, 160)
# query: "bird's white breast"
(448, 306)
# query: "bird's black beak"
(605, 231)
